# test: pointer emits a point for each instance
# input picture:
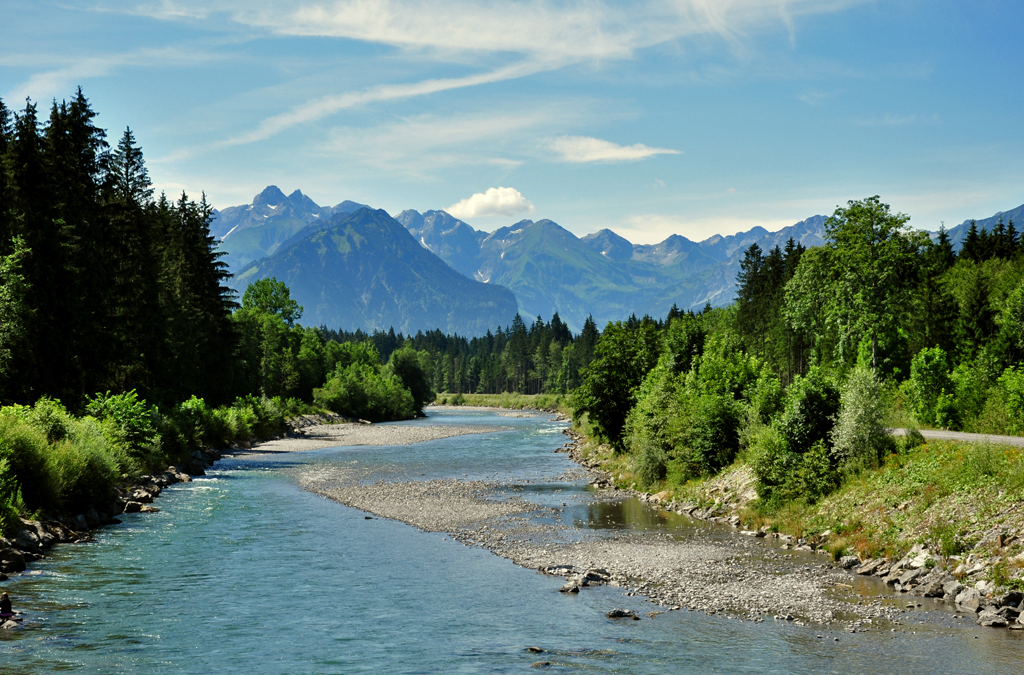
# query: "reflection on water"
(242, 572)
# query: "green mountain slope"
(364, 270)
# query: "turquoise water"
(242, 572)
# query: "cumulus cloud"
(499, 201)
(587, 149)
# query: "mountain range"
(354, 267)
(364, 270)
(252, 231)
(602, 274)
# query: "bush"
(713, 439)
(812, 404)
(651, 463)
(1011, 382)
(25, 449)
(130, 417)
(817, 476)
(774, 466)
(82, 469)
(860, 437)
(929, 385)
(360, 391)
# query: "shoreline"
(37, 537)
(733, 575)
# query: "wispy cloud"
(499, 201)
(465, 139)
(317, 109)
(580, 149)
(895, 120)
(64, 75)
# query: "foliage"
(130, 417)
(365, 392)
(272, 297)
(860, 437)
(812, 404)
(412, 368)
(625, 353)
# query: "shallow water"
(241, 571)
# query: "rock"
(132, 507)
(92, 519)
(848, 562)
(869, 567)
(12, 560)
(8, 625)
(540, 664)
(28, 540)
(992, 620)
(598, 574)
(932, 589)
(952, 588)
(622, 614)
(78, 524)
(911, 575)
(969, 600)
(1011, 599)
(146, 508)
(661, 496)
(142, 496)
(570, 587)
(920, 560)
(535, 650)
(1009, 613)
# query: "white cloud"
(587, 149)
(499, 201)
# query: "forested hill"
(365, 271)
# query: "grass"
(558, 402)
(947, 494)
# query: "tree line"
(824, 350)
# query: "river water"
(243, 572)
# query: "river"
(242, 571)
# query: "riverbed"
(246, 570)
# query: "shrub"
(1011, 382)
(81, 469)
(360, 391)
(130, 417)
(25, 448)
(817, 476)
(11, 504)
(651, 463)
(812, 404)
(929, 382)
(860, 437)
(50, 417)
(713, 438)
(774, 466)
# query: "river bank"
(37, 537)
(704, 569)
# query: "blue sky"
(694, 117)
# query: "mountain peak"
(609, 244)
(271, 196)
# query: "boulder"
(951, 589)
(570, 587)
(1008, 613)
(622, 614)
(992, 620)
(932, 589)
(598, 574)
(78, 524)
(12, 560)
(920, 560)
(1010, 599)
(146, 508)
(848, 562)
(911, 575)
(92, 519)
(969, 600)
(8, 625)
(132, 507)
(869, 567)
(28, 540)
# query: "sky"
(651, 118)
